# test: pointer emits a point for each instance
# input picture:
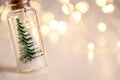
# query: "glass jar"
(25, 35)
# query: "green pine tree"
(27, 50)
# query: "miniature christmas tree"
(26, 45)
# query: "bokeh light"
(76, 16)
(45, 30)
(90, 55)
(53, 24)
(102, 27)
(67, 8)
(36, 5)
(108, 8)
(64, 1)
(101, 2)
(62, 28)
(47, 17)
(91, 46)
(82, 7)
(118, 44)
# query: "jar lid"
(18, 1)
(18, 4)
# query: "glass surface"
(26, 39)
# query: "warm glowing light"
(91, 46)
(45, 30)
(82, 7)
(62, 28)
(36, 5)
(53, 24)
(53, 37)
(76, 16)
(64, 1)
(101, 2)
(118, 44)
(67, 8)
(4, 14)
(1, 9)
(90, 55)
(108, 9)
(47, 17)
(102, 27)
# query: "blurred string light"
(54, 29)
(90, 55)
(45, 30)
(47, 17)
(91, 47)
(118, 44)
(36, 5)
(102, 27)
(108, 8)
(62, 27)
(74, 12)
(67, 8)
(82, 6)
(76, 16)
(53, 24)
(101, 2)
(64, 1)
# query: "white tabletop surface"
(68, 55)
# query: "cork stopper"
(18, 4)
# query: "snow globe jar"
(26, 37)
